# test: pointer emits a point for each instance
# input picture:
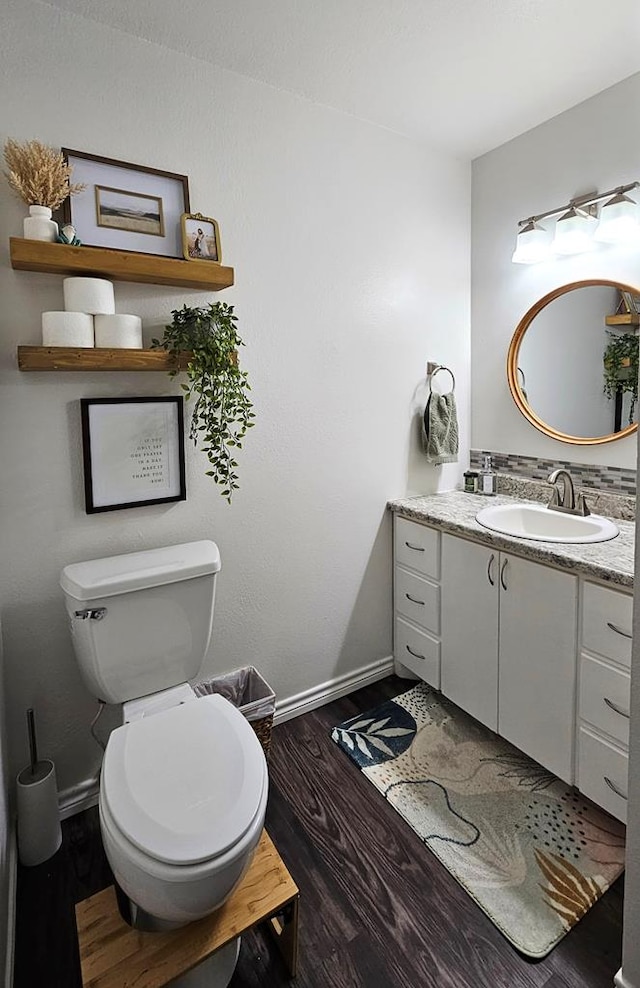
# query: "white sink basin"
(532, 521)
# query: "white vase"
(38, 225)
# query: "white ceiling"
(460, 75)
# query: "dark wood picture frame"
(94, 471)
(75, 209)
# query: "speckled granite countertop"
(456, 512)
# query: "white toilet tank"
(141, 622)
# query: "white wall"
(351, 273)
(7, 848)
(591, 146)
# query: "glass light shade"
(619, 221)
(533, 244)
(574, 232)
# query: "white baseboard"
(317, 696)
(80, 797)
(85, 794)
(620, 981)
(12, 872)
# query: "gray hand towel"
(440, 429)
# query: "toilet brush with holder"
(39, 833)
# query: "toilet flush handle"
(94, 613)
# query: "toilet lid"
(185, 785)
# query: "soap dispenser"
(488, 479)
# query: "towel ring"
(441, 367)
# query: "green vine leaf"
(621, 365)
(222, 412)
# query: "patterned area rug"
(530, 850)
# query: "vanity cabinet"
(604, 697)
(501, 662)
(538, 654)
(470, 574)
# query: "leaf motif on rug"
(371, 740)
(529, 774)
(568, 892)
(497, 861)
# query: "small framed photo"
(200, 238)
(133, 450)
(126, 206)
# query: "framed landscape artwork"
(126, 206)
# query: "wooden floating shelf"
(68, 358)
(118, 265)
(624, 319)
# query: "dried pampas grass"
(38, 174)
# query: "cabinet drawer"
(418, 651)
(599, 761)
(600, 683)
(606, 622)
(418, 600)
(418, 547)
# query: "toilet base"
(215, 972)
(139, 919)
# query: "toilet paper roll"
(39, 834)
(67, 329)
(88, 295)
(118, 331)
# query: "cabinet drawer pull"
(614, 706)
(490, 570)
(413, 599)
(613, 787)
(618, 631)
(502, 572)
(416, 548)
(415, 654)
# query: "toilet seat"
(185, 786)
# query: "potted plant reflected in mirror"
(621, 365)
(222, 412)
(40, 176)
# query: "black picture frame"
(169, 189)
(131, 447)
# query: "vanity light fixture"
(577, 228)
(533, 244)
(619, 221)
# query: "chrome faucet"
(568, 501)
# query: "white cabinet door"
(537, 660)
(469, 622)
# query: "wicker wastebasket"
(251, 694)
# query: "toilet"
(184, 783)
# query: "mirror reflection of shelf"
(623, 320)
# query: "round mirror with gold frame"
(573, 360)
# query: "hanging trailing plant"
(621, 367)
(222, 413)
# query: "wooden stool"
(113, 955)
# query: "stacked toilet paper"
(90, 318)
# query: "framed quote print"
(133, 451)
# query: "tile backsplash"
(609, 491)
(617, 480)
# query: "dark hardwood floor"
(377, 908)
